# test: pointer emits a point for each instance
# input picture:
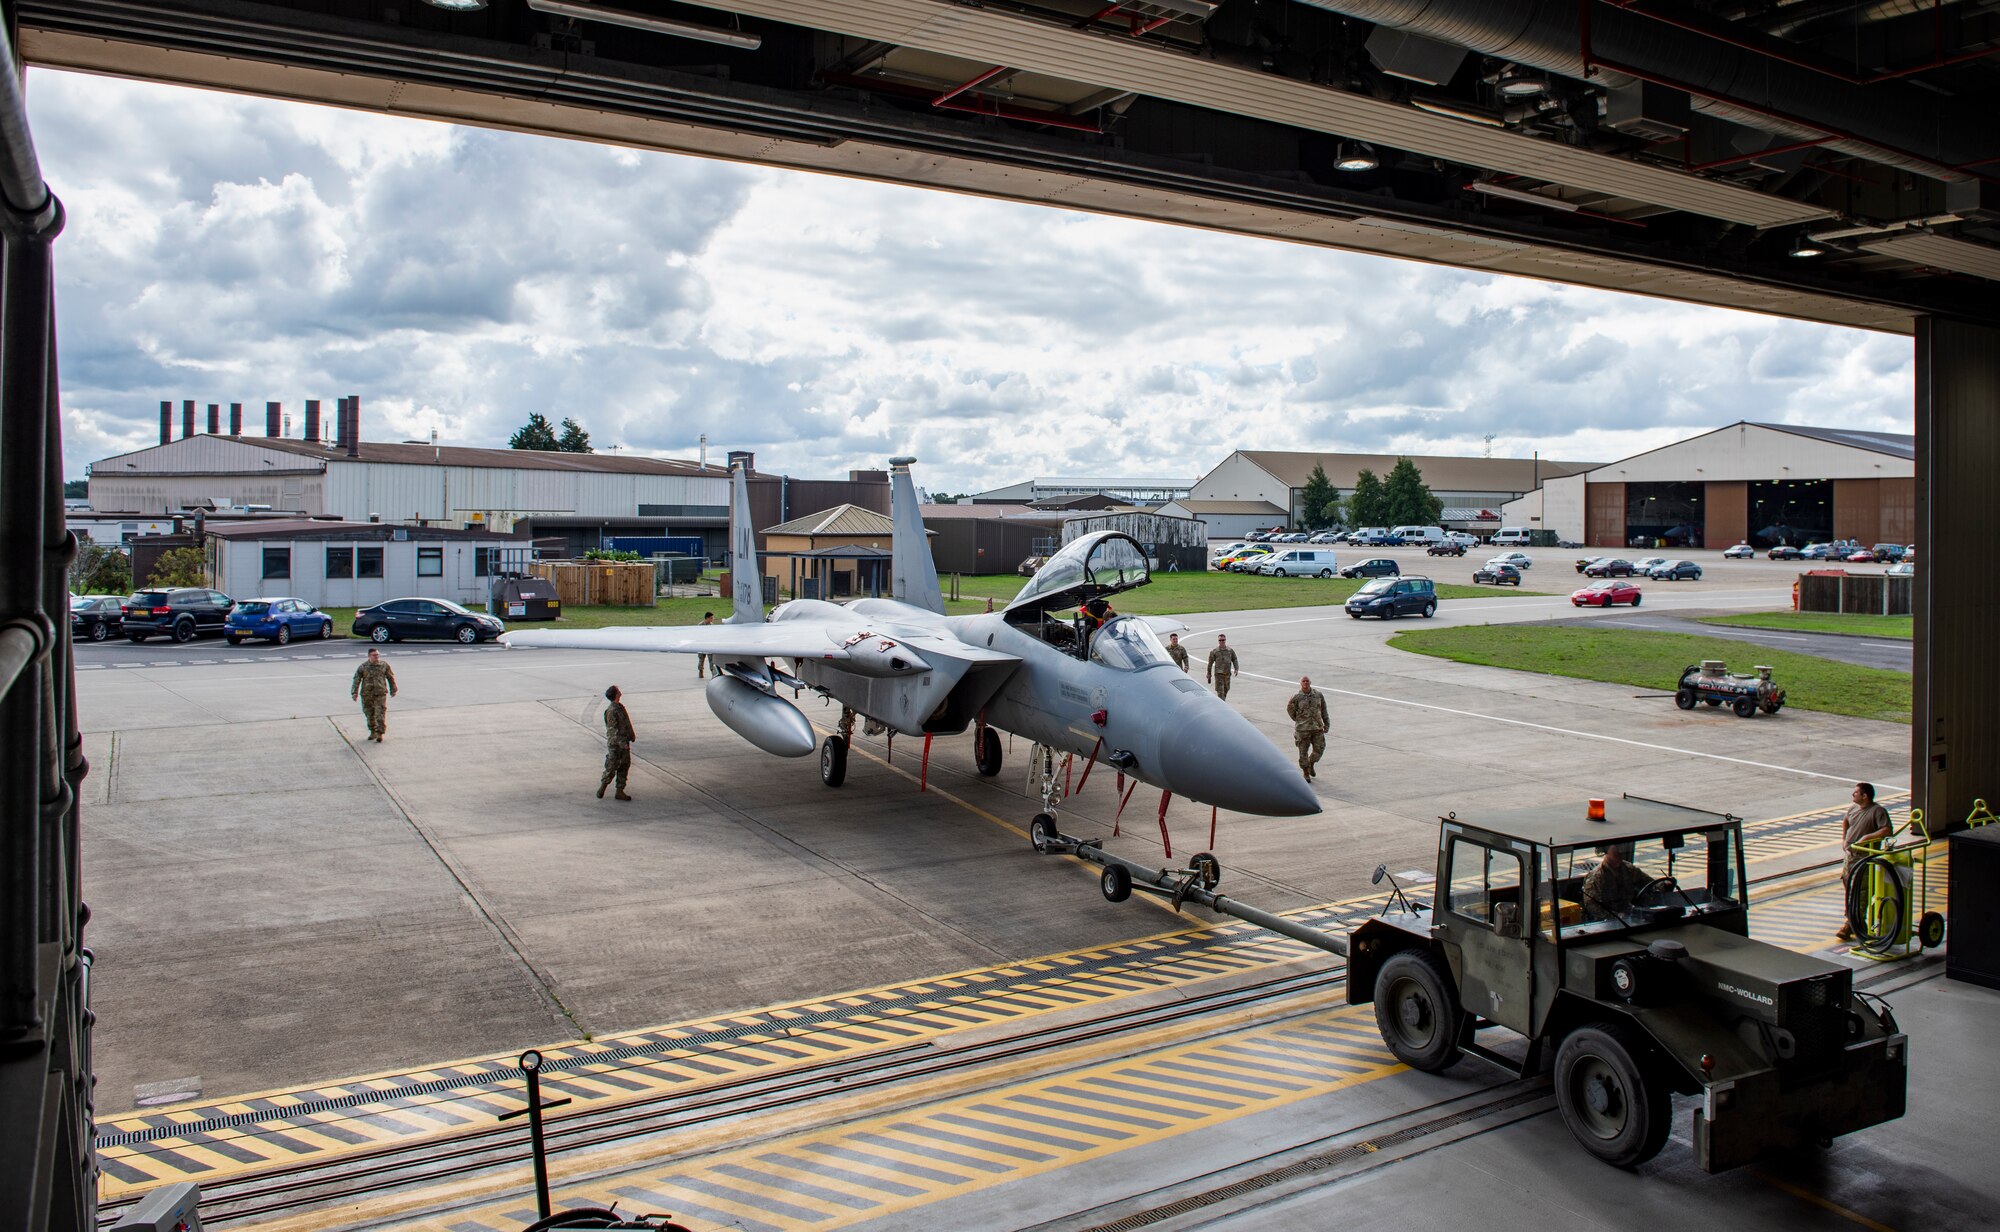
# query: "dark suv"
(181, 613)
(1398, 596)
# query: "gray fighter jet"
(1107, 694)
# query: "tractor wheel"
(1684, 698)
(833, 761)
(986, 753)
(1417, 1011)
(1610, 1096)
(1744, 707)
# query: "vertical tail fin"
(915, 580)
(746, 573)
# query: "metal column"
(1955, 716)
(47, 1173)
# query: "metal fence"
(48, 1181)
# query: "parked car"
(1498, 574)
(1784, 551)
(1511, 536)
(1609, 567)
(1461, 537)
(278, 620)
(182, 613)
(1888, 553)
(1230, 560)
(1298, 562)
(1741, 551)
(1381, 566)
(1606, 594)
(1386, 597)
(1585, 562)
(1446, 547)
(1325, 536)
(1902, 568)
(92, 618)
(1642, 567)
(1520, 560)
(1675, 571)
(1861, 557)
(425, 618)
(1225, 550)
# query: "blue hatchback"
(279, 620)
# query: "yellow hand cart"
(1888, 894)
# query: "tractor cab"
(1092, 567)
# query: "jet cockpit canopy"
(1101, 563)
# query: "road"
(1886, 653)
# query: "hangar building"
(1258, 489)
(1759, 483)
(1131, 491)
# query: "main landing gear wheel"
(1042, 831)
(1684, 698)
(1612, 1101)
(1417, 1011)
(833, 761)
(1116, 882)
(986, 752)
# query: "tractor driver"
(1610, 888)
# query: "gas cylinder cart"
(1890, 888)
(1710, 681)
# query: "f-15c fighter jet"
(1109, 693)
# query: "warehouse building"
(1756, 483)
(1258, 489)
(581, 498)
(1124, 491)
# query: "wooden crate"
(599, 583)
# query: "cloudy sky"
(234, 249)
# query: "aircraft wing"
(783, 640)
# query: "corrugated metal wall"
(1898, 499)
(1726, 514)
(984, 545)
(1604, 515)
(1857, 510)
(1955, 735)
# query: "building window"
(277, 563)
(430, 562)
(482, 562)
(339, 563)
(368, 562)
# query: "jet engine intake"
(771, 723)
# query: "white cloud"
(233, 249)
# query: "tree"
(574, 439)
(180, 567)
(946, 498)
(100, 570)
(1367, 505)
(76, 489)
(1321, 500)
(537, 433)
(1407, 498)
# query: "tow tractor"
(1613, 940)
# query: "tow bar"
(1194, 884)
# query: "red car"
(1604, 594)
(1861, 558)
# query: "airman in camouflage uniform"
(374, 684)
(1309, 723)
(1221, 665)
(1177, 652)
(618, 737)
(701, 662)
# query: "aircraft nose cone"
(1214, 755)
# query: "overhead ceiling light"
(643, 21)
(1355, 156)
(1806, 246)
(457, 6)
(1516, 83)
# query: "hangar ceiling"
(1833, 160)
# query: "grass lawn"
(1820, 622)
(1655, 660)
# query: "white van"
(1422, 535)
(1510, 537)
(1299, 562)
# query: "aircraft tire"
(986, 753)
(1042, 831)
(833, 761)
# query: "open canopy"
(1101, 563)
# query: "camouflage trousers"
(1311, 746)
(1222, 684)
(375, 706)
(617, 766)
